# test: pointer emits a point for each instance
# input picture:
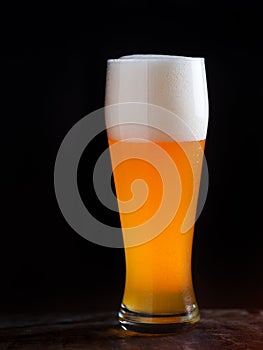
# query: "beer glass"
(156, 132)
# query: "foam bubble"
(176, 85)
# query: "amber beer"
(158, 290)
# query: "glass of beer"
(156, 111)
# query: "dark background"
(53, 74)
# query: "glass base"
(147, 323)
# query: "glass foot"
(154, 324)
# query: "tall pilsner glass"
(156, 117)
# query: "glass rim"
(153, 57)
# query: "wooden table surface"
(218, 329)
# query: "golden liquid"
(158, 272)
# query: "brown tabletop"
(218, 329)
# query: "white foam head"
(167, 92)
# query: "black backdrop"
(53, 74)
